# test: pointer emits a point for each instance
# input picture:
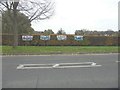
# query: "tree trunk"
(15, 31)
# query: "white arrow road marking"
(20, 66)
(93, 64)
(58, 65)
(117, 61)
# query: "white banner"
(78, 38)
(61, 37)
(27, 38)
(43, 37)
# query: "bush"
(87, 40)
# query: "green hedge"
(87, 40)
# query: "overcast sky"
(71, 15)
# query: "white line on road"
(56, 65)
(117, 61)
(87, 66)
(59, 65)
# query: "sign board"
(43, 37)
(61, 37)
(78, 38)
(27, 38)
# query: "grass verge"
(38, 50)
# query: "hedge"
(87, 40)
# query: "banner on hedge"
(61, 37)
(78, 38)
(27, 38)
(43, 37)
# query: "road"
(105, 76)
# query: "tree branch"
(35, 10)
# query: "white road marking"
(117, 61)
(78, 63)
(20, 66)
(79, 66)
(58, 65)
(93, 64)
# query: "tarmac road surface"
(104, 76)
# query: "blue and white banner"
(43, 37)
(27, 38)
(78, 38)
(61, 37)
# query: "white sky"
(71, 15)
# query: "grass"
(37, 50)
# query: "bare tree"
(61, 31)
(48, 32)
(33, 9)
